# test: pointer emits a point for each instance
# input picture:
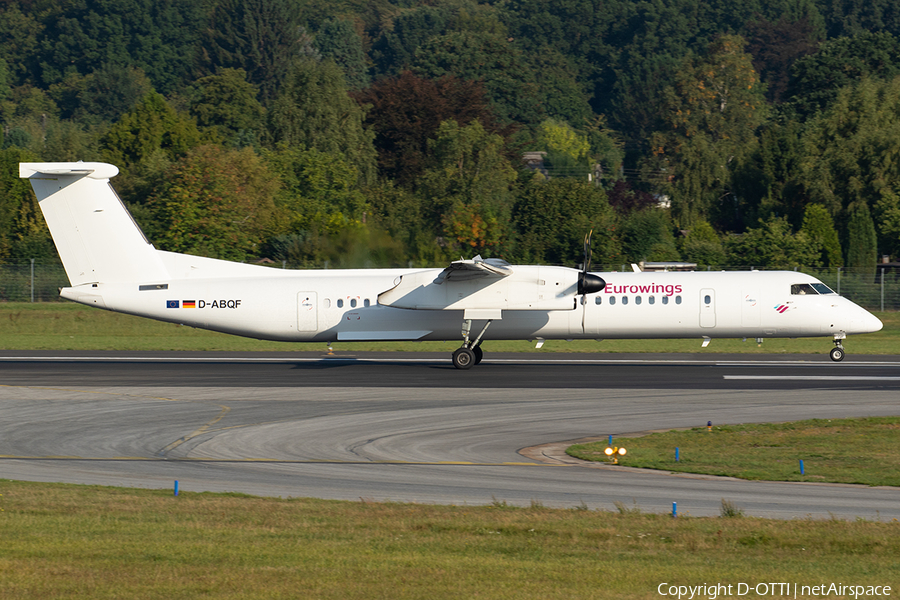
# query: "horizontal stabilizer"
(83, 169)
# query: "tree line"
(392, 132)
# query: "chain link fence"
(33, 282)
(41, 282)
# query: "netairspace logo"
(779, 589)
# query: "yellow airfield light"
(614, 454)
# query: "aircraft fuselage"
(343, 305)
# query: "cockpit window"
(802, 289)
(822, 288)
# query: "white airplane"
(111, 264)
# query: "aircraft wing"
(477, 268)
(479, 285)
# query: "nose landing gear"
(837, 353)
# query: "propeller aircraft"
(110, 264)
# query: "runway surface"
(411, 428)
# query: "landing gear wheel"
(837, 353)
(463, 358)
(479, 354)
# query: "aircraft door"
(307, 318)
(707, 308)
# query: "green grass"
(66, 541)
(833, 450)
(68, 326)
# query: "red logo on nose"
(782, 307)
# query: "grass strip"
(69, 326)
(68, 541)
(863, 450)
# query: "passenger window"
(612, 300)
(706, 299)
(677, 299)
(340, 303)
(624, 299)
(598, 300)
(353, 303)
(327, 302)
(665, 299)
(802, 289)
(637, 299)
(366, 302)
(651, 299)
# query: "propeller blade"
(588, 283)
(587, 251)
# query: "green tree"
(406, 111)
(403, 214)
(553, 216)
(771, 244)
(703, 246)
(339, 40)
(647, 235)
(213, 202)
(575, 28)
(313, 110)
(23, 232)
(818, 226)
(607, 148)
(469, 184)
(776, 46)
(852, 17)
(861, 242)
(152, 126)
(560, 93)
(101, 96)
(319, 190)
(852, 150)
(558, 137)
(227, 103)
(567, 149)
(20, 35)
(158, 37)
(887, 215)
(510, 85)
(5, 89)
(262, 37)
(770, 181)
(324, 217)
(713, 111)
(394, 49)
(817, 78)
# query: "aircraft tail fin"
(95, 235)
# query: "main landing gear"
(837, 353)
(470, 353)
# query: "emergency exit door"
(307, 319)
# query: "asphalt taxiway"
(411, 428)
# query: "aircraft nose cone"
(865, 322)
